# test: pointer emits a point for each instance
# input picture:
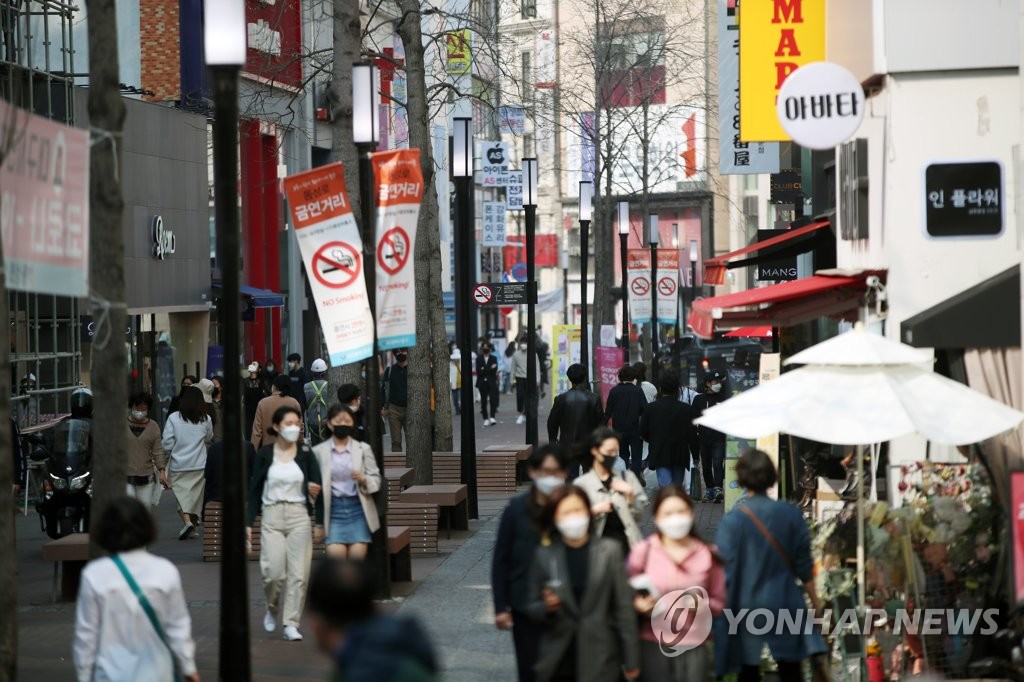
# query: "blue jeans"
(667, 475)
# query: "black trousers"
(789, 671)
(521, 396)
(526, 638)
(488, 396)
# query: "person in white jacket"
(115, 637)
(518, 368)
(455, 376)
(186, 435)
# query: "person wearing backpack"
(315, 392)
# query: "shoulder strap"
(148, 609)
(319, 392)
(767, 536)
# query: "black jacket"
(666, 425)
(518, 538)
(574, 416)
(702, 434)
(258, 479)
(626, 402)
(486, 370)
(386, 648)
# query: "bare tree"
(106, 261)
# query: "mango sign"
(776, 38)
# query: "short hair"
(547, 515)
(347, 393)
(294, 357)
(755, 471)
(283, 383)
(279, 415)
(576, 374)
(141, 398)
(596, 438)
(124, 525)
(537, 457)
(626, 373)
(334, 410)
(669, 383)
(193, 405)
(640, 371)
(341, 592)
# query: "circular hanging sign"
(820, 105)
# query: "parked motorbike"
(67, 494)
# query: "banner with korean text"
(566, 340)
(44, 204)
(668, 285)
(332, 252)
(638, 284)
(399, 194)
(776, 38)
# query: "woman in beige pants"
(285, 478)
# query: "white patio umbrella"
(858, 389)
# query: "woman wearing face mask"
(285, 478)
(616, 494)
(350, 477)
(579, 595)
(674, 558)
(518, 538)
(186, 381)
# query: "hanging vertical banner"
(736, 157)
(514, 191)
(638, 281)
(776, 39)
(566, 340)
(459, 49)
(608, 361)
(668, 285)
(332, 252)
(399, 194)
(493, 224)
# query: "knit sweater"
(145, 451)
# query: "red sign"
(393, 250)
(666, 286)
(1017, 531)
(336, 265)
(274, 32)
(482, 294)
(640, 286)
(545, 251)
(608, 361)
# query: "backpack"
(316, 412)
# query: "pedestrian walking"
(518, 368)
(766, 548)
(544, 358)
(350, 396)
(575, 414)
(665, 425)
(315, 411)
(626, 402)
(649, 389)
(147, 464)
(268, 407)
(710, 443)
(365, 645)
(131, 619)
(349, 476)
(285, 477)
(218, 407)
(674, 558)
(186, 381)
(186, 435)
(299, 376)
(395, 396)
(487, 383)
(579, 594)
(518, 539)
(616, 495)
(207, 388)
(253, 391)
(455, 377)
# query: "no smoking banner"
(666, 286)
(640, 286)
(393, 250)
(337, 265)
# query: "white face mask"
(522, 346)
(290, 433)
(548, 484)
(716, 388)
(139, 416)
(574, 527)
(676, 526)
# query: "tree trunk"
(429, 360)
(8, 564)
(106, 263)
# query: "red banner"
(608, 361)
(1017, 531)
(545, 251)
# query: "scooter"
(67, 486)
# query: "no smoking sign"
(640, 286)
(336, 265)
(666, 286)
(482, 294)
(393, 250)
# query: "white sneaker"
(292, 634)
(487, 422)
(269, 622)
(493, 421)
(520, 419)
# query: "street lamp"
(462, 175)
(623, 247)
(365, 133)
(654, 238)
(694, 257)
(530, 195)
(225, 49)
(679, 305)
(586, 215)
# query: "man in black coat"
(518, 538)
(710, 444)
(665, 424)
(626, 402)
(575, 414)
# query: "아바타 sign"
(821, 105)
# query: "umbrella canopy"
(859, 348)
(859, 405)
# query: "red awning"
(715, 268)
(751, 333)
(780, 305)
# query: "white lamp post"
(586, 214)
(623, 263)
(530, 196)
(654, 238)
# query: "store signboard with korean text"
(777, 38)
(963, 199)
(494, 159)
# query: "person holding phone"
(616, 495)
(674, 558)
(580, 597)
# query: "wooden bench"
(522, 452)
(213, 535)
(421, 519)
(397, 479)
(447, 467)
(395, 460)
(496, 472)
(69, 555)
(451, 498)
(399, 551)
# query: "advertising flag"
(566, 340)
(608, 360)
(668, 285)
(332, 252)
(399, 194)
(638, 281)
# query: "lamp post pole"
(586, 214)
(654, 237)
(623, 263)
(225, 50)
(530, 208)
(365, 133)
(694, 257)
(462, 174)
